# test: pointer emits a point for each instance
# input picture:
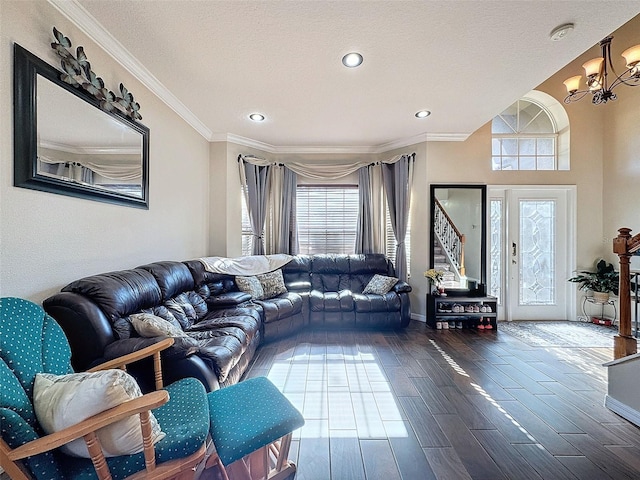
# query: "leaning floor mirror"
(65, 143)
(458, 231)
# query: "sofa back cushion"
(216, 282)
(363, 268)
(297, 273)
(330, 273)
(119, 294)
(333, 273)
(173, 278)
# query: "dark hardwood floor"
(454, 405)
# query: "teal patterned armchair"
(31, 342)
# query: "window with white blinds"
(327, 217)
(247, 235)
(390, 240)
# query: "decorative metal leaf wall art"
(76, 71)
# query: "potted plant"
(435, 277)
(602, 282)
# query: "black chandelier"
(596, 71)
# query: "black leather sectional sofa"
(223, 325)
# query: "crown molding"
(243, 141)
(421, 138)
(306, 150)
(327, 150)
(96, 32)
(77, 14)
(293, 149)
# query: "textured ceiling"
(463, 60)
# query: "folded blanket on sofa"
(249, 265)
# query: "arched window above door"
(532, 134)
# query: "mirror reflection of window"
(81, 144)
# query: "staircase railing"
(451, 239)
(624, 245)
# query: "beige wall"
(226, 197)
(48, 240)
(622, 150)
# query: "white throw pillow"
(250, 285)
(380, 284)
(64, 400)
(148, 325)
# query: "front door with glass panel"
(531, 251)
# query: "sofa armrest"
(85, 325)
(299, 286)
(125, 360)
(228, 299)
(182, 347)
(401, 287)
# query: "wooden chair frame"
(270, 462)
(182, 468)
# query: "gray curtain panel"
(257, 188)
(364, 232)
(397, 179)
(287, 230)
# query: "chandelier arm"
(576, 96)
(635, 79)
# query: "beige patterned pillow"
(380, 284)
(250, 285)
(64, 400)
(272, 283)
(148, 325)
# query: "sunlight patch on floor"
(340, 391)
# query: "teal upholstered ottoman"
(250, 415)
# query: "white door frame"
(502, 191)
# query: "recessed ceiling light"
(256, 117)
(352, 60)
(560, 32)
(423, 113)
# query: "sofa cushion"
(281, 307)
(173, 278)
(250, 285)
(119, 294)
(223, 340)
(164, 313)
(389, 302)
(297, 273)
(331, 301)
(182, 310)
(198, 303)
(272, 284)
(380, 284)
(370, 264)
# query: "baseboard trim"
(418, 317)
(622, 409)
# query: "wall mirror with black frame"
(458, 236)
(65, 143)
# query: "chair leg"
(283, 468)
(213, 469)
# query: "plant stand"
(588, 302)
